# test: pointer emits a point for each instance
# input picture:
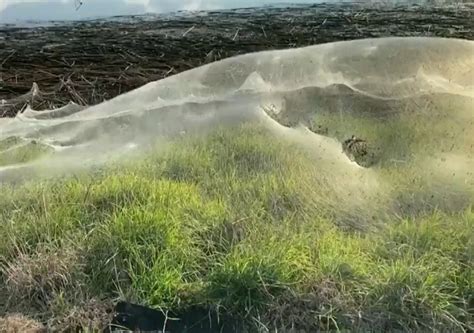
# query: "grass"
(14, 150)
(228, 222)
(403, 137)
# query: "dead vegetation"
(37, 278)
(89, 62)
(17, 323)
(48, 281)
(86, 316)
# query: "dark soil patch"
(137, 318)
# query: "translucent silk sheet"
(366, 110)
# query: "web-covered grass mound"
(228, 222)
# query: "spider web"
(410, 99)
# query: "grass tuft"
(18, 323)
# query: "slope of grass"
(226, 222)
(14, 150)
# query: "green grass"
(228, 222)
(14, 150)
(401, 137)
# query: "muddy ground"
(91, 61)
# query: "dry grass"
(36, 278)
(313, 310)
(18, 323)
(90, 316)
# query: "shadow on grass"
(132, 317)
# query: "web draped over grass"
(226, 188)
(229, 222)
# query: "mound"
(410, 99)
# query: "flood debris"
(91, 61)
(360, 151)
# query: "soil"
(91, 61)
